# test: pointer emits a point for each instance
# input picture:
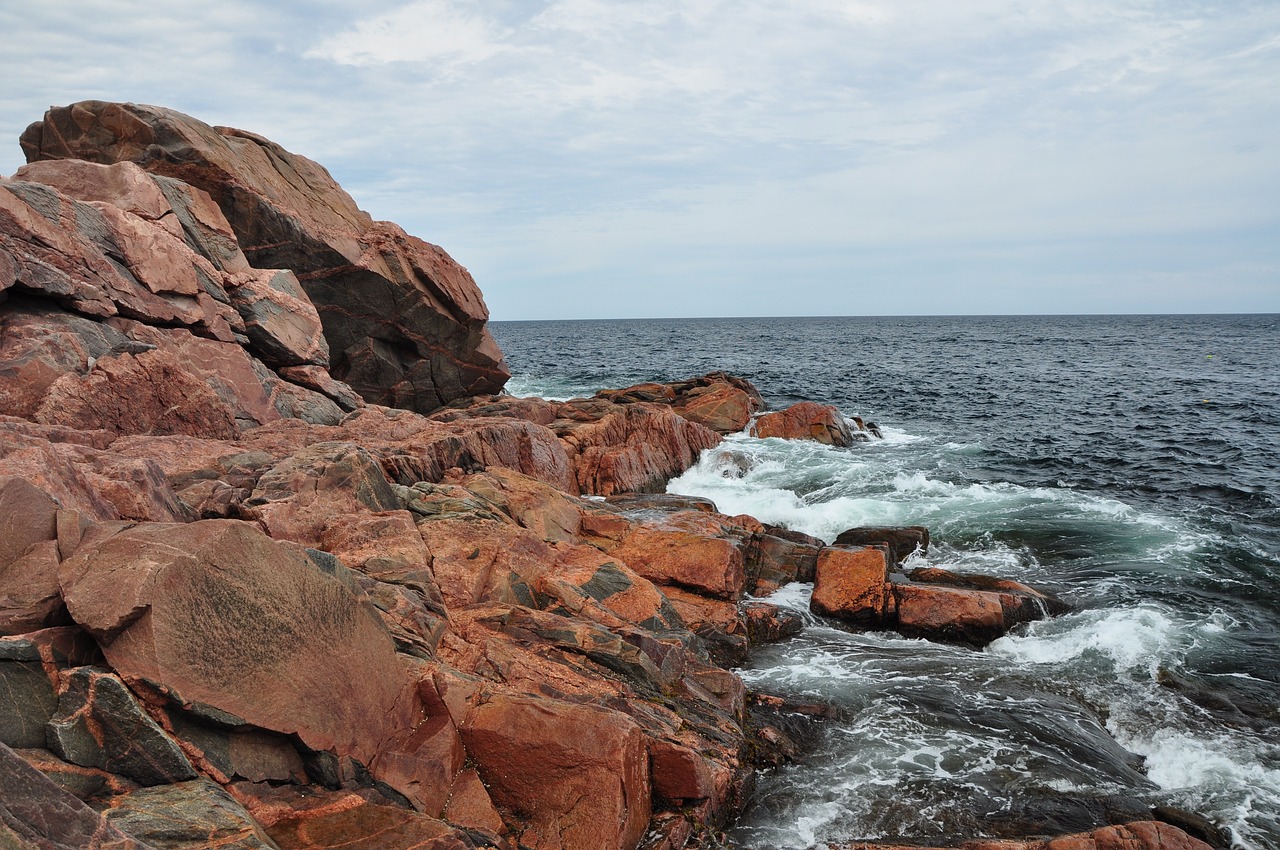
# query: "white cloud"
(548, 140)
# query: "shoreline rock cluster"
(278, 569)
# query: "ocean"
(1129, 464)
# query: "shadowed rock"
(404, 322)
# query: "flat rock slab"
(191, 815)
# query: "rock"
(318, 378)
(900, 541)
(805, 420)
(975, 617)
(572, 775)
(536, 506)
(851, 585)
(288, 213)
(628, 448)
(148, 393)
(773, 561)
(187, 816)
(36, 813)
(27, 697)
(768, 623)
(300, 496)
(89, 784)
(100, 724)
(310, 819)
(282, 325)
(216, 613)
(1139, 835)
(690, 549)
(718, 401)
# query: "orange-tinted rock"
(405, 323)
(123, 185)
(216, 612)
(851, 585)
(805, 420)
(471, 806)
(148, 393)
(773, 561)
(719, 401)
(949, 613)
(768, 623)
(689, 549)
(313, 819)
(720, 624)
(573, 775)
(680, 775)
(536, 506)
(634, 447)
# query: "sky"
(645, 158)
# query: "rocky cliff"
(245, 602)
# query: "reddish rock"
(773, 561)
(318, 378)
(314, 819)
(721, 402)
(680, 775)
(324, 483)
(948, 613)
(29, 595)
(768, 623)
(28, 515)
(148, 393)
(622, 448)
(123, 185)
(543, 509)
(288, 213)
(690, 549)
(282, 325)
(217, 613)
(851, 585)
(805, 420)
(470, 805)
(36, 813)
(573, 775)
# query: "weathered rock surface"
(36, 813)
(405, 323)
(724, 403)
(805, 420)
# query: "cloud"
(710, 147)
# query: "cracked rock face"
(405, 323)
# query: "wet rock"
(99, 724)
(974, 617)
(36, 813)
(774, 561)
(851, 585)
(900, 541)
(187, 816)
(768, 623)
(289, 214)
(805, 420)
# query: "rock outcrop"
(405, 324)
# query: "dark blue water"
(1131, 464)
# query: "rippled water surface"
(1129, 464)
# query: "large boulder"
(215, 613)
(404, 322)
(806, 420)
(719, 401)
(575, 775)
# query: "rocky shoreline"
(278, 569)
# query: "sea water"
(1130, 465)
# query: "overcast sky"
(586, 158)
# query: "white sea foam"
(1130, 639)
